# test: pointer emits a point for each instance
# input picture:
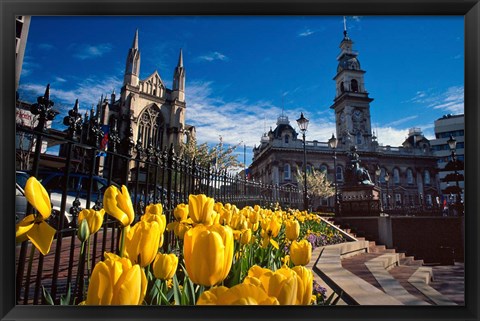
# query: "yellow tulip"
(301, 252)
(142, 242)
(200, 209)
(181, 212)
(93, 218)
(282, 284)
(182, 223)
(240, 294)
(116, 281)
(292, 229)
(246, 236)
(305, 290)
(33, 227)
(154, 212)
(208, 252)
(165, 266)
(118, 204)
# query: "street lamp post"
(332, 143)
(303, 125)
(378, 171)
(452, 143)
(387, 178)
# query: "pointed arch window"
(150, 127)
(354, 85)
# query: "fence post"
(43, 108)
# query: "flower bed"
(220, 254)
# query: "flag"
(104, 142)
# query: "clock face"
(357, 115)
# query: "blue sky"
(242, 71)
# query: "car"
(21, 203)
(77, 189)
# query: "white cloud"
(241, 120)
(91, 51)
(451, 101)
(60, 79)
(88, 93)
(306, 33)
(391, 136)
(46, 46)
(401, 121)
(214, 56)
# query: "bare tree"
(318, 184)
(220, 155)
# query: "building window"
(286, 139)
(428, 200)
(287, 172)
(150, 127)
(309, 169)
(427, 178)
(359, 138)
(398, 199)
(382, 175)
(323, 168)
(409, 176)
(396, 176)
(339, 173)
(354, 85)
(342, 87)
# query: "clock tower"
(351, 103)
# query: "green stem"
(122, 241)
(88, 256)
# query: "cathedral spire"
(179, 79)
(135, 40)
(345, 27)
(180, 59)
(132, 66)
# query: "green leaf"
(47, 296)
(65, 299)
(176, 291)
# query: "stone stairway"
(364, 273)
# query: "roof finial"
(345, 26)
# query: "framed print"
(182, 159)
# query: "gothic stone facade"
(147, 112)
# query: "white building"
(449, 125)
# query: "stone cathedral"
(155, 113)
(146, 111)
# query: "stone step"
(379, 266)
(421, 279)
(355, 289)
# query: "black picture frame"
(470, 9)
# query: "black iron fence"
(152, 175)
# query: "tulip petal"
(23, 227)
(129, 291)
(37, 195)
(41, 235)
(100, 288)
